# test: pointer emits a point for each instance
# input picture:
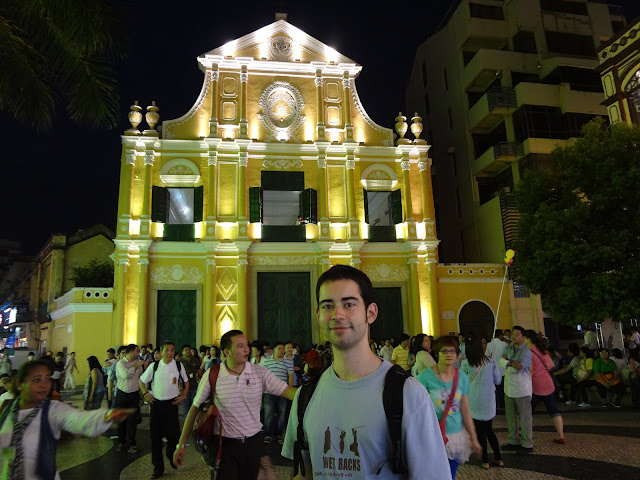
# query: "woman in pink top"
(543, 388)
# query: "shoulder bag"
(443, 421)
(207, 441)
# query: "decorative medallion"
(284, 260)
(386, 273)
(282, 164)
(281, 104)
(177, 274)
(280, 49)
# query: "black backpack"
(393, 401)
(155, 367)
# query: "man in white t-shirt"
(386, 351)
(345, 424)
(164, 385)
(238, 395)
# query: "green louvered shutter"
(159, 204)
(255, 204)
(395, 205)
(309, 205)
(366, 205)
(198, 203)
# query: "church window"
(382, 211)
(179, 209)
(283, 206)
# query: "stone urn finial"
(416, 125)
(401, 125)
(152, 115)
(135, 117)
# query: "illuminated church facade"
(228, 215)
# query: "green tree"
(59, 53)
(93, 274)
(580, 226)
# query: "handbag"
(207, 441)
(443, 421)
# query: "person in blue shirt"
(460, 432)
(484, 375)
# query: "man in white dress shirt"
(495, 350)
(238, 395)
(161, 385)
(128, 371)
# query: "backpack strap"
(306, 392)
(393, 401)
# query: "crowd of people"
(451, 389)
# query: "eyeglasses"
(447, 351)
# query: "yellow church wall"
(194, 124)
(82, 253)
(480, 282)
(365, 132)
(336, 195)
(227, 184)
(416, 193)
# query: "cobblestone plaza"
(601, 443)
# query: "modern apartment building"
(500, 85)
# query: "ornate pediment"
(279, 42)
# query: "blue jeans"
(275, 409)
(186, 404)
(454, 468)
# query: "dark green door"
(176, 317)
(389, 322)
(284, 310)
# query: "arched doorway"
(476, 318)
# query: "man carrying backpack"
(356, 424)
(164, 385)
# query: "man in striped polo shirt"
(275, 407)
(238, 395)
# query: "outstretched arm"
(179, 454)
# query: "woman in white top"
(29, 446)
(420, 348)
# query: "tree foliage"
(93, 274)
(59, 53)
(580, 226)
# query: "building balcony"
(483, 33)
(490, 110)
(543, 146)
(482, 70)
(550, 61)
(497, 157)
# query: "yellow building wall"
(490, 233)
(84, 333)
(82, 253)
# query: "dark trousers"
(127, 429)
(240, 460)
(500, 395)
(618, 389)
(484, 431)
(163, 423)
(566, 378)
(582, 389)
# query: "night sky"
(67, 179)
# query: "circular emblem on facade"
(177, 273)
(243, 230)
(210, 230)
(123, 228)
(144, 228)
(281, 105)
(280, 49)
(354, 231)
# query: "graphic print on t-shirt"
(333, 454)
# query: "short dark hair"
(574, 349)
(186, 345)
(279, 342)
(130, 348)
(167, 342)
(498, 333)
(26, 368)
(111, 350)
(404, 337)
(445, 341)
(346, 272)
(121, 348)
(587, 351)
(225, 342)
(519, 328)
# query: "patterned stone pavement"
(602, 443)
